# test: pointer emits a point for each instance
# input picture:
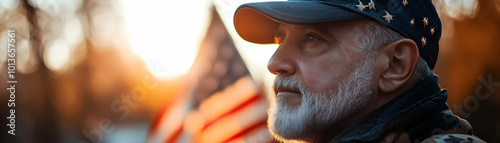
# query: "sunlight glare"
(57, 55)
(459, 9)
(6, 5)
(166, 34)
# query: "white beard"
(320, 110)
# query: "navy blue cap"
(414, 19)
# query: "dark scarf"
(420, 112)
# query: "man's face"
(324, 75)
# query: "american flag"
(223, 105)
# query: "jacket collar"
(418, 112)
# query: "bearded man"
(354, 70)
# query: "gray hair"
(377, 35)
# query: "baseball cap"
(414, 19)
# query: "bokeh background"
(136, 65)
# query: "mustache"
(285, 82)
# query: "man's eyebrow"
(319, 30)
(315, 28)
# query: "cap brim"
(257, 22)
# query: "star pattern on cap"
(372, 5)
(405, 2)
(412, 21)
(432, 31)
(426, 21)
(361, 6)
(388, 17)
(424, 41)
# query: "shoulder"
(453, 138)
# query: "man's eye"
(311, 38)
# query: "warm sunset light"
(177, 71)
(166, 34)
(460, 8)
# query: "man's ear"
(396, 64)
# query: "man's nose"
(282, 62)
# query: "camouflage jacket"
(419, 115)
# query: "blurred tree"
(469, 51)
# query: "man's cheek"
(319, 81)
